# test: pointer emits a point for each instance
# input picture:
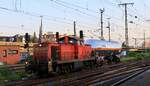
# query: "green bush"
(7, 75)
(147, 54)
(139, 54)
(135, 56)
(126, 59)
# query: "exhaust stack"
(81, 37)
(57, 37)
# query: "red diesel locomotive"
(65, 55)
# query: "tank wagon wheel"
(107, 61)
(116, 59)
(99, 63)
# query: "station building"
(9, 52)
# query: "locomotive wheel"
(63, 69)
(100, 63)
(71, 68)
(58, 70)
(68, 68)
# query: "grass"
(7, 75)
(135, 56)
(126, 59)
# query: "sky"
(21, 16)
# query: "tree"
(34, 38)
(124, 45)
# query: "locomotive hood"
(95, 43)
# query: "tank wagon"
(64, 55)
(109, 51)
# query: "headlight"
(49, 62)
(26, 62)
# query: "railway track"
(94, 78)
(126, 78)
(82, 77)
(56, 78)
(116, 79)
(16, 67)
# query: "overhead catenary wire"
(65, 4)
(37, 15)
(77, 10)
(85, 11)
(34, 14)
(55, 19)
(71, 6)
(30, 14)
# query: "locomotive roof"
(71, 37)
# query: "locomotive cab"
(45, 55)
